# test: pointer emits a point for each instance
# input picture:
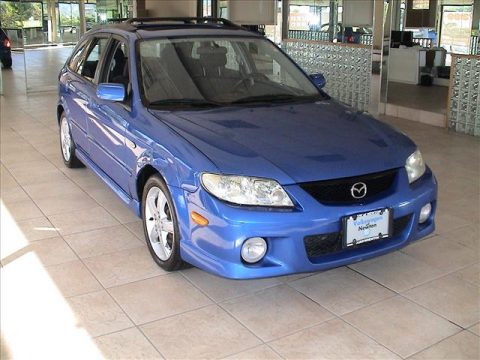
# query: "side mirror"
(111, 92)
(319, 80)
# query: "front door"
(108, 120)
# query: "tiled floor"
(78, 282)
(428, 98)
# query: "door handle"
(130, 143)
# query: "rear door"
(108, 120)
(74, 97)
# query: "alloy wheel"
(159, 223)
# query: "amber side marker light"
(199, 219)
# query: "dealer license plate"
(365, 227)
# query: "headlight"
(415, 166)
(245, 190)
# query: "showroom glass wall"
(44, 32)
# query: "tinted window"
(77, 55)
(88, 67)
(116, 68)
(222, 70)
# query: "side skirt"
(132, 204)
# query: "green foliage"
(14, 14)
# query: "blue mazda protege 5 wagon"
(236, 160)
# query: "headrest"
(212, 56)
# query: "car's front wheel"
(67, 145)
(160, 224)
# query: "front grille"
(324, 244)
(339, 190)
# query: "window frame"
(92, 41)
(107, 57)
(83, 46)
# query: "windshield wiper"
(184, 102)
(279, 98)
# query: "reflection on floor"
(42, 68)
(426, 104)
(428, 98)
(78, 281)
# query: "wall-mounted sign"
(421, 4)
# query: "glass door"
(455, 30)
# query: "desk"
(404, 64)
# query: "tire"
(67, 145)
(7, 63)
(160, 225)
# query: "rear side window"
(88, 66)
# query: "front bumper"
(216, 247)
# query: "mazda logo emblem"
(358, 190)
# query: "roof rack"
(184, 20)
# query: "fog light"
(425, 213)
(254, 249)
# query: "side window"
(88, 66)
(116, 67)
(74, 60)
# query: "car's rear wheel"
(67, 145)
(7, 63)
(160, 224)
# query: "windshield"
(212, 71)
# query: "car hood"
(292, 143)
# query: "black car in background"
(5, 50)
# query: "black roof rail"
(185, 20)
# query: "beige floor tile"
(101, 193)
(257, 353)
(26, 176)
(120, 211)
(475, 329)
(13, 195)
(23, 210)
(192, 336)
(468, 236)
(7, 181)
(470, 274)
(126, 344)
(463, 345)
(276, 312)
(401, 325)
(446, 222)
(62, 187)
(82, 220)
(158, 297)
(98, 314)
(17, 236)
(37, 229)
(103, 241)
(73, 278)
(220, 289)
(341, 290)
(65, 203)
(442, 254)
(52, 251)
(124, 266)
(397, 271)
(333, 339)
(137, 229)
(454, 299)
